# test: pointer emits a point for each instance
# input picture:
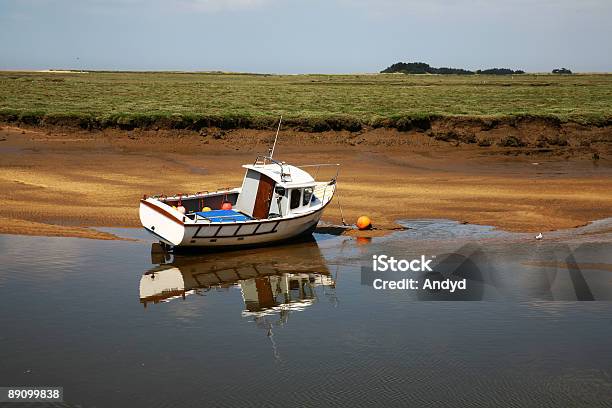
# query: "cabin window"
(280, 191)
(296, 194)
(307, 196)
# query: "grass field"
(307, 102)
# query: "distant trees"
(423, 68)
(446, 71)
(409, 68)
(500, 71)
(561, 71)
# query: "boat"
(276, 203)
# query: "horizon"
(216, 72)
(298, 37)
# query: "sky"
(305, 36)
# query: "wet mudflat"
(301, 325)
(385, 174)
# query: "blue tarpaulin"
(223, 216)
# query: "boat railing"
(190, 196)
(323, 187)
(321, 190)
(263, 159)
(325, 190)
(318, 167)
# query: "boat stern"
(162, 221)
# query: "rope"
(340, 206)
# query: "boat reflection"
(273, 280)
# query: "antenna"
(276, 137)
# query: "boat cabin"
(275, 189)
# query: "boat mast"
(276, 137)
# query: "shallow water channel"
(302, 324)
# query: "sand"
(63, 182)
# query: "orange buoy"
(364, 222)
(206, 209)
(226, 206)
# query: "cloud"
(120, 6)
(476, 7)
(221, 5)
(374, 8)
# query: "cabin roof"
(294, 176)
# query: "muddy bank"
(508, 132)
(59, 181)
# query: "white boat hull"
(174, 229)
(250, 233)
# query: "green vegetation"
(500, 71)
(423, 68)
(561, 71)
(307, 102)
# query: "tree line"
(423, 68)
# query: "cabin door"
(265, 296)
(264, 197)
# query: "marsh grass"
(307, 102)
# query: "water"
(299, 325)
